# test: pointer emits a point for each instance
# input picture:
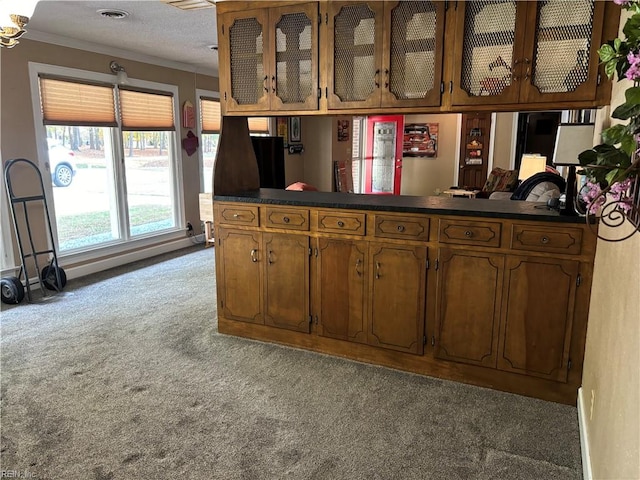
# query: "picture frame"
(294, 130)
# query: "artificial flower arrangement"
(613, 167)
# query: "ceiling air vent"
(190, 4)
(114, 14)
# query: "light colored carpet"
(124, 376)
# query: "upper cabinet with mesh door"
(269, 58)
(384, 54)
(526, 52)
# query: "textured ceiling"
(153, 30)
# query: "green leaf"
(614, 176)
(632, 28)
(610, 68)
(614, 134)
(588, 157)
(628, 144)
(616, 44)
(626, 110)
(606, 53)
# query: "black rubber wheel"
(63, 175)
(48, 276)
(12, 290)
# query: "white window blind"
(259, 125)
(67, 102)
(146, 111)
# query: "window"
(357, 156)
(112, 155)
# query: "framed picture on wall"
(294, 129)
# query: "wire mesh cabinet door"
(413, 49)
(563, 51)
(489, 41)
(294, 63)
(243, 46)
(354, 68)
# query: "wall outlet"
(189, 227)
(593, 401)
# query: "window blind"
(66, 102)
(210, 115)
(259, 125)
(146, 111)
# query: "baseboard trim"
(124, 258)
(584, 437)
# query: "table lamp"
(571, 140)
(531, 164)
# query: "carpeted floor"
(124, 376)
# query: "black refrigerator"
(270, 156)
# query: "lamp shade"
(531, 164)
(571, 140)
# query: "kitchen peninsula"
(493, 293)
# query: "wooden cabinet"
(341, 279)
(526, 52)
(269, 58)
(397, 275)
(469, 291)
(286, 281)
(239, 273)
(537, 316)
(384, 54)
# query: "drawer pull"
(270, 258)
(253, 255)
(341, 224)
(358, 262)
(285, 219)
(544, 240)
(377, 269)
(401, 228)
(469, 233)
(236, 215)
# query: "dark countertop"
(472, 207)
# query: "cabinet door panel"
(355, 51)
(294, 72)
(245, 41)
(564, 61)
(239, 268)
(489, 37)
(341, 275)
(413, 49)
(537, 316)
(397, 278)
(287, 281)
(468, 306)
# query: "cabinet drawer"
(341, 222)
(485, 234)
(546, 239)
(396, 226)
(289, 218)
(239, 215)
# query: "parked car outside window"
(62, 163)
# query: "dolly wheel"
(50, 280)
(12, 290)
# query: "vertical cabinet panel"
(397, 275)
(537, 316)
(286, 283)
(239, 270)
(469, 288)
(341, 279)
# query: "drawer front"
(460, 232)
(239, 215)
(342, 222)
(396, 226)
(288, 218)
(546, 239)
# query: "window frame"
(128, 242)
(200, 93)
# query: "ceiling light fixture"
(119, 71)
(113, 14)
(14, 16)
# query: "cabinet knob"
(236, 215)
(401, 228)
(286, 219)
(253, 255)
(358, 262)
(270, 258)
(340, 223)
(544, 240)
(377, 269)
(469, 233)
